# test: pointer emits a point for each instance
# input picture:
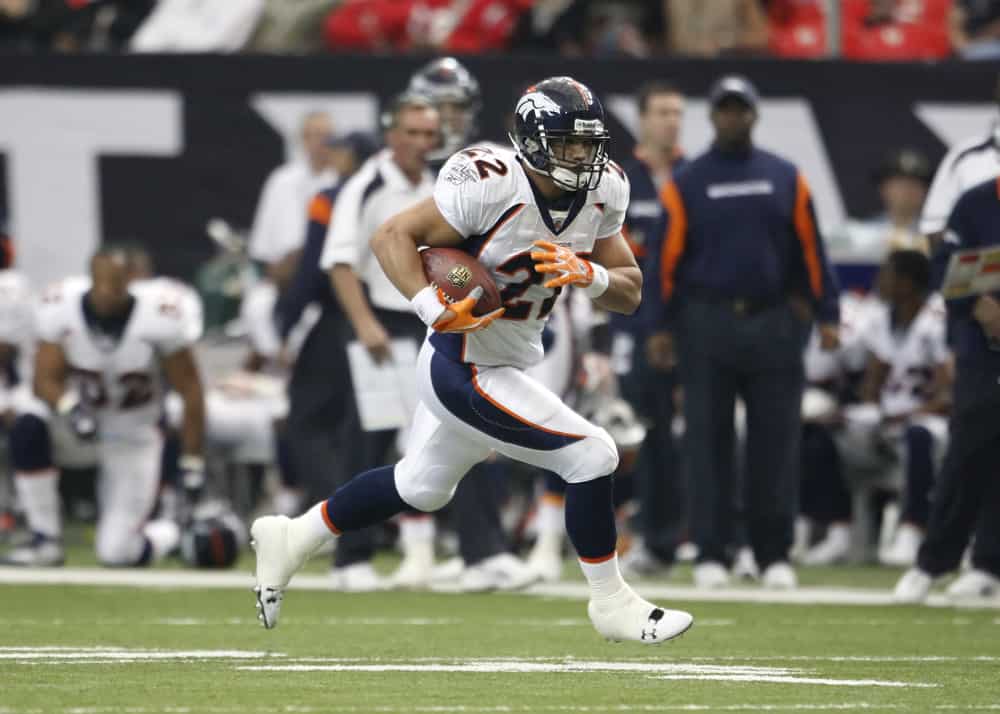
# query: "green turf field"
(95, 649)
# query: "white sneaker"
(974, 585)
(546, 558)
(745, 565)
(640, 562)
(38, 552)
(164, 537)
(416, 569)
(356, 578)
(276, 563)
(779, 576)
(834, 548)
(710, 575)
(502, 571)
(687, 552)
(902, 551)
(627, 617)
(448, 571)
(913, 587)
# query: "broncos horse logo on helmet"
(556, 112)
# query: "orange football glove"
(571, 269)
(458, 316)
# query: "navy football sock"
(367, 499)
(590, 517)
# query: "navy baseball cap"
(907, 163)
(362, 144)
(733, 85)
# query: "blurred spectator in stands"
(881, 30)
(279, 223)
(797, 28)
(583, 27)
(903, 180)
(198, 26)
(719, 27)
(68, 25)
(465, 26)
(292, 26)
(975, 29)
(14, 30)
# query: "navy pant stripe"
(455, 387)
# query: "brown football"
(456, 273)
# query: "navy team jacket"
(740, 226)
(972, 224)
(645, 223)
(310, 282)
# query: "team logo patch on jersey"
(459, 276)
(461, 172)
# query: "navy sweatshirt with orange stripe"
(310, 282)
(740, 225)
(972, 224)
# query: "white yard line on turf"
(573, 590)
(498, 709)
(89, 656)
(655, 670)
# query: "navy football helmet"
(214, 537)
(553, 114)
(455, 92)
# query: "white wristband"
(191, 462)
(599, 285)
(67, 402)
(427, 306)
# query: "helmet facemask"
(573, 169)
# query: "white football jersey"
(484, 193)
(857, 313)
(16, 320)
(912, 353)
(122, 378)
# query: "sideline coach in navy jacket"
(967, 489)
(743, 273)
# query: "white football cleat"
(745, 565)
(834, 548)
(627, 617)
(276, 563)
(546, 557)
(710, 575)
(38, 552)
(902, 551)
(913, 587)
(502, 571)
(779, 576)
(974, 585)
(356, 578)
(416, 570)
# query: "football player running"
(544, 216)
(103, 343)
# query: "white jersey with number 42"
(485, 194)
(121, 378)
